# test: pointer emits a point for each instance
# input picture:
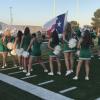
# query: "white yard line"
(44, 62)
(28, 77)
(67, 90)
(46, 82)
(8, 68)
(32, 89)
(15, 72)
(38, 63)
(97, 99)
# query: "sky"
(38, 12)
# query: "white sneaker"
(86, 78)
(15, 65)
(59, 73)
(20, 68)
(50, 73)
(45, 70)
(68, 72)
(24, 71)
(3, 67)
(75, 78)
(28, 74)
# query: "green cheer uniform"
(26, 42)
(36, 51)
(1, 44)
(51, 51)
(85, 53)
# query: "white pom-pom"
(57, 50)
(78, 53)
(13, 52)
(72, 43)
(25, 54)
(10, 45)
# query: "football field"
(14, 85)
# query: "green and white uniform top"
(85, 53)
(26, 42)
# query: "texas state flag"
(56, 23)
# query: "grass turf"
(86, 90)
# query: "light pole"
(54, 8)
(11, 17)
(77, 10)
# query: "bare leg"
(87, 68)
(59, 64)
(78, 67)
(71, 61)
(66, 55)
(4, 58)
(30, 64)
(51, 64)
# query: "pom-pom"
(10, 45)
(57, 50)
(72, 43)
(13, 52)
(78, 53)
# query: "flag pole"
(66, 19)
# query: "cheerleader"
(26, 38)
(35, 53)
(53, 42)
(17, 47)
(1, 48)
(68, 52)
(6, 39)
(85, 54)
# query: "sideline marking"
(33, 89)
(15, 72)
(28, 77)
(46, 82)
(67, 90)
(8, 68)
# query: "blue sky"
(37, 12)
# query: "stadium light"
(11, 17)
(77, 10)
(54, 8)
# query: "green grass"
(86, 90)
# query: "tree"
(75, 25)
(96, 19)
